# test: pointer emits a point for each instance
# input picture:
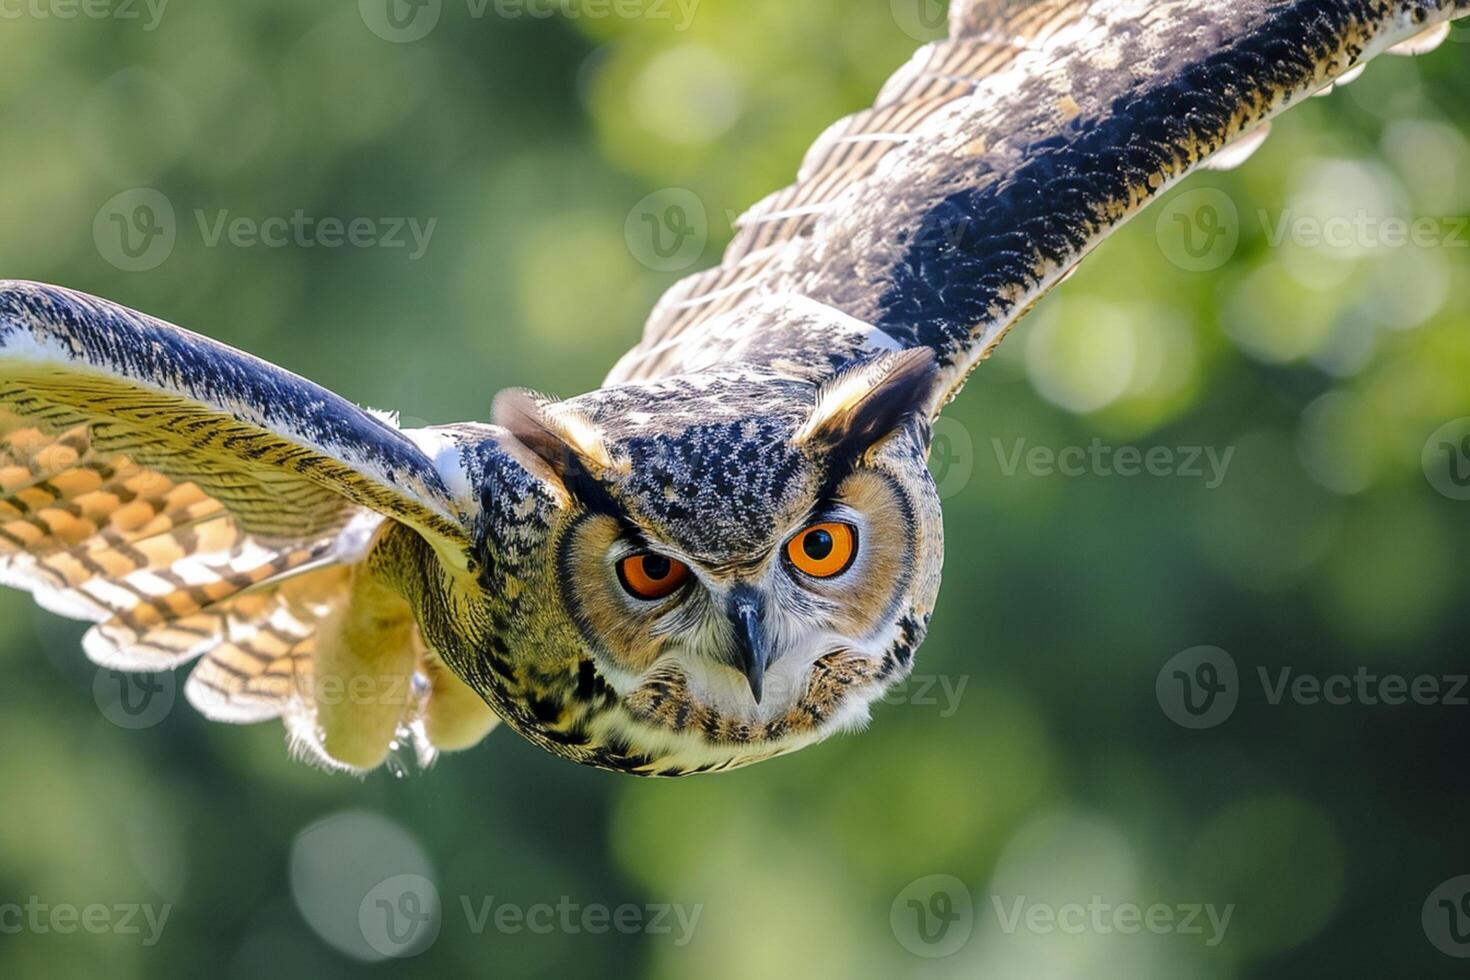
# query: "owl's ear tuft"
(560, 436)
(868, 401)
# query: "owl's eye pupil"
(817, 544)
(657, 567)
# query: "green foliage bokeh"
(1052, 774)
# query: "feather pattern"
(996, 159)
(289, 457)
(188, 499)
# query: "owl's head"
(746, 561)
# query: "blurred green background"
(1033, 761)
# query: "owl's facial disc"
(744, 632)
(738, 565)
(821, 550)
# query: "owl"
(730, 550)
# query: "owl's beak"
(747, 612)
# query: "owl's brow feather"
(595, 497)
(842, 464)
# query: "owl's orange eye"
(823, 550)
(650, 576)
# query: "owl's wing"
(286, 457)
(995, 160)
(191, 499)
